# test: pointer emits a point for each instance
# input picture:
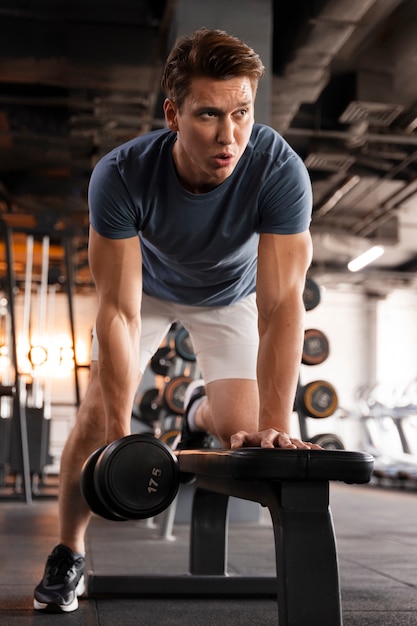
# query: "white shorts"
(225, 338)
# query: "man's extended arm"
(116, 265)
(283, 261)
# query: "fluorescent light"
(364, 259)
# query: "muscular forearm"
(280, 348)
(118, 370)
(116, 266)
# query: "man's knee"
(233, 405)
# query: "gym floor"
(376, 535)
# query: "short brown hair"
(211, 53)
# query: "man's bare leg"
(231, 405)
(86, 436)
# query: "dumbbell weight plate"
(89, 492)
(171, 438)
(149, 406)
(174, 393)
(317, 399)
(328, 441)
(137, 476)
(162, 361)
(315, 348)
(184, 346)
(311, 295)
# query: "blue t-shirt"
(199, 249)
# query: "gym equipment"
(171, 437)
(24, 415)
(18, 408)
(328, 441)
(135, 477)
(149, 406)
(138, 476)
(174, 393)
(293, 484)
(6, 392)
(88, 489)
(38, 430)
(311, 294)
(388, 433)
(160, 396)
(162, 360)
(315, 347)
(184, 345)
(317, 399)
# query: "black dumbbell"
(89, 492)
(134, 477)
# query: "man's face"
(213, 129)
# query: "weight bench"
(294, 485)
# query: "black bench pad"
(278, 464)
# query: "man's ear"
(171, 112)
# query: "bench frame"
(307, 583)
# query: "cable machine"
(26, 405)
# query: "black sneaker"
(62, 583)
(191, 440)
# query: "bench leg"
(307, 566)
(209, 526)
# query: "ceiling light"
(365, 258)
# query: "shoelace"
(59, 567)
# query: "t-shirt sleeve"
(112, 211)
(286, 201)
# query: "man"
(222, 208)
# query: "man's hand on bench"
(270, 438)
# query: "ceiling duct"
(374, 113)
(343, 188)
(307, 73)
(329, 161)
(387, 233)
